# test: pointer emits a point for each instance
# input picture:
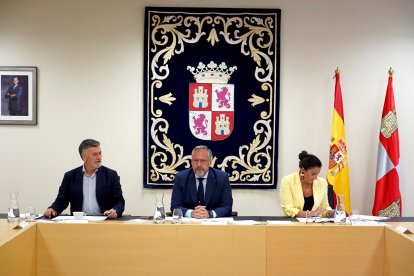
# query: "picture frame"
(18, 97)
(212, 78)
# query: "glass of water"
(177, 216)
(30, 214)
(354, 216)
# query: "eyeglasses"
(199, 160)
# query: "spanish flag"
(387, 201)
(337, 174)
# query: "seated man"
(91, 188)
(212, 198)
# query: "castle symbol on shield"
(200, 97)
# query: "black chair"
(331, 196)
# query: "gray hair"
(203, 147)
(87, 143)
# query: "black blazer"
(108, 191)
(218, 197)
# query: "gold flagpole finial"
(337, 72)
(390, 72)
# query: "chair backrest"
(331, 196)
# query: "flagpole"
(387, 201)
(338, 174)
(337, 72)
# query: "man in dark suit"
(14, 94)
(91, 188)
(202, 191)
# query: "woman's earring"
(302, 176)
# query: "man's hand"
(50, 213)
(200, 212)
(111, 213)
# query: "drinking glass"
(30, 214)
(177, 216)
(354, 216)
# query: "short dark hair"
(210, 153)
(308, 161)
(87, 143)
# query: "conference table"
(118, 247)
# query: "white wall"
(90, 59)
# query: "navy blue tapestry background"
(234, 51)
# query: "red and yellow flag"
(337, 174)
(387, 201)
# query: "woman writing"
(303, 193)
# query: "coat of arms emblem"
(211, 101)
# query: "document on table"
(85, 218)
(247, 222)
(217, 221)
(372, 218)
(366, 223)
(24, 215)
(276, 222)
(315, 220)
(140, 221)
(209, 221)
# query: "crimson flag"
(387, 201)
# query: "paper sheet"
(140, 221)
(247, 222)
(86, 218)
(276, 222)
(216, 221)
(315, 220)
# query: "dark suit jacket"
(15, 102)
(108, 191)
(218, 195)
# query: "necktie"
(200, 192)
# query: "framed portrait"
(211, 77)
(18, 101)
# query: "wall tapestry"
(212, 78)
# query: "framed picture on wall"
(18, 101)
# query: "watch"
(210, 214)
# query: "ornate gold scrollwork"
(253, 152)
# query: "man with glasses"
(201, 191)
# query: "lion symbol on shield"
(223, 97)
(200, 124)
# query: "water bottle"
(340, 214)
(13, 215)
(159, 212)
